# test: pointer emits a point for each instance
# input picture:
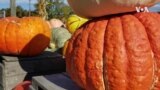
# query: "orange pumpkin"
(120, 52)
(28, 36)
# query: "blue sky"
(23, 3)
(155, 8)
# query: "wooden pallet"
(14, 70)
(59, 81)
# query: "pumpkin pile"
(116, 52)
(27, 36)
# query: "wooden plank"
(31, 87)
(1, 75)
(47, 62)
(14, 70)
(59, 81)
(12, 81)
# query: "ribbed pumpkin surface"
(27, 36)
(116, 53)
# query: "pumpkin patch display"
(74, 22)
(27, 36)
(117, 52)
(58, 38)
(96, 8)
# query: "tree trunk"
(13, 7)
(42, 8)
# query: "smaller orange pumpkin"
(28, 36)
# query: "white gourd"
(96, 8)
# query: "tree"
(13, 7)
(67, 11)
(54, 9)
(7, 10)
(42, 8)
(20, 12)
(57, 9)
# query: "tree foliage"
(20, 12)
(41, 8)
(51, 8)
(56, 9)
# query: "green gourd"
(58, 38)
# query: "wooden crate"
(14, 70)
(59, 81)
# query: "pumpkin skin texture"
(96, 8)
(65, 48)
(120, 52)
(27, 36)
(10, 18)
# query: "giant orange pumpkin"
(119, 52)
(27, 36)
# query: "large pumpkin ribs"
(117, 52)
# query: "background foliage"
(54, 9)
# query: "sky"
(23, 3)
(155, 8)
